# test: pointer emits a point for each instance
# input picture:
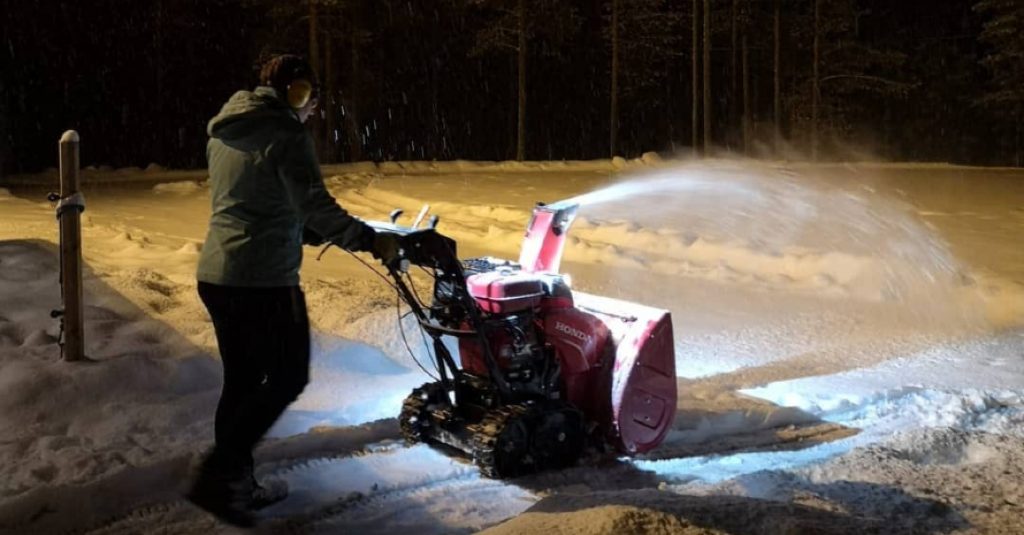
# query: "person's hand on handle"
(386, 246)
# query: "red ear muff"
(299, 93)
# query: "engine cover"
(505, 291)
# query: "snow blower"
(543, 372)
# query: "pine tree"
(1005, 63)
(777, 73)
(842, 75)
(332, 35)
(643, 35)
(526, 28)
(695, 76)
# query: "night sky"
(424, 80)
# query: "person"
(267, 193)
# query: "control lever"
(432, 222)
(421, 215)
(395, 214)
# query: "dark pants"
(263, 336)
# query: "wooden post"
(70, 250)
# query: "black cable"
(431, 274)
(426, 346)
(363, 262)
(398, 303)
(419, 301)
(416, 294)
(398, 307)
(401, 329)
(412, 286)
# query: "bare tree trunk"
(734, 71)
(314, 56)
(777, 97)
(159, 38)
(707, 77)
(355, 73)
(1017, 149)
(327, 101)
(314, 61)
(695, 51)
(436, 145)
(614, 118)
(351, 115)
(747, 111)
(814, 89)
(521, 134)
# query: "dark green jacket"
(265, 186)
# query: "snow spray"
(662, 184)
(807, 231)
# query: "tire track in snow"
(394, 488)
(149, 516)
(149, 495)
(169, 517)
(182, 513)
(793, 436)
(363, 489)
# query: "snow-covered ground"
(849, 346)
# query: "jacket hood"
(250, 118)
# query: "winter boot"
(226, 494)
(268, 493)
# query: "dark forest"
(919, 80)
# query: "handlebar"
(421, 246)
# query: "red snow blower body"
(546, 372)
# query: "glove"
(366, 239)
(311, 237)
(385, 247)
(356, 239)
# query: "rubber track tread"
(486, 434)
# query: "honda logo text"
(572, 331)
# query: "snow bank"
(183, 187)
(938, 480)
(465, 166)
(145, 398)
(913, 392)
(917, 388)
